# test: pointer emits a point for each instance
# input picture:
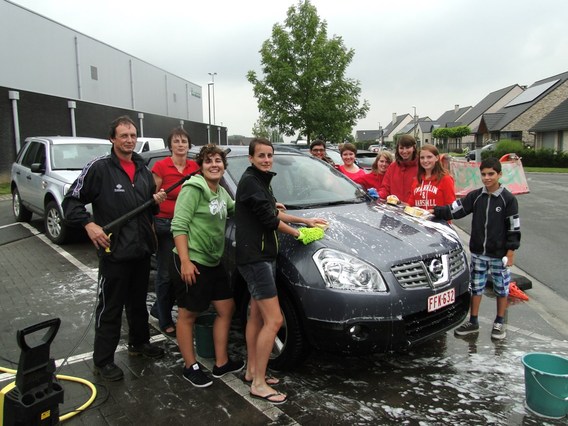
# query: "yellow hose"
(67, 416)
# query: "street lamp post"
(209, 100)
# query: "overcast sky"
(429, 54)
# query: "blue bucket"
(546, 384)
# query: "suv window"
(75, 156)
(34, 154)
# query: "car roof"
(61, 140)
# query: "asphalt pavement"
(449, 380)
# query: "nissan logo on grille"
(436, 268)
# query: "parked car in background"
(148, 144)
(335, 155)
(44, 170)
(470, 156)
(376, 148)
(379, 280)
(365, 159)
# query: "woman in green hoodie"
(198, 227)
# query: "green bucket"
(546, 384)
(204, 335)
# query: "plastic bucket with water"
(546, 384)
(204, 335)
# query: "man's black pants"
(123, 284)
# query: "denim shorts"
(260, 278)
(479, 268)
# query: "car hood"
(382, 234)
(67, 176)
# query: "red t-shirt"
(350, 175)
(431, 193)
(370, 180)
(169, 173)
(129, 167)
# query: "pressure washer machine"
(34, 398)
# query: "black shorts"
(212, 284)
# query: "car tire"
(291, 346)
(55, 230)
(20, 212)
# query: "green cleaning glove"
(308, 235)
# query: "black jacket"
(495, 225)
(104, 183)
(256, 218)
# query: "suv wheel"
(55, 230)
(20, 212)
(290, 346)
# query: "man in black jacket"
(115, 185)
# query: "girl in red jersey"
(433, 185)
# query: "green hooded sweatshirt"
(201, 214)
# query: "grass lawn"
(4, 188)
(546, 169)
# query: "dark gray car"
(378, 281)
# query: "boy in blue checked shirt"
(495, 235)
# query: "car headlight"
(342, 271)
(66, 188)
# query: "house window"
(94, 73)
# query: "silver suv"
(43, 172)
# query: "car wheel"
(55, 230)
(290, 346)
(20, 212)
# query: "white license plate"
(438, 301)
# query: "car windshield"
(76, 156)
(303, 181)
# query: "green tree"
(261, 129)
(304, 88)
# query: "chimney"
(456, 108)
(393, 117)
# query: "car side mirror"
(37, 168)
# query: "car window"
(76, 156)
(303, 181)
(34, 154)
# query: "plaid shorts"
(478, 273)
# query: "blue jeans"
(165, 296)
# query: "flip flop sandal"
(270, 381)
(270, 395)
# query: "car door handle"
(28, 177)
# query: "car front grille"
(430, 272)
(423, 325)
